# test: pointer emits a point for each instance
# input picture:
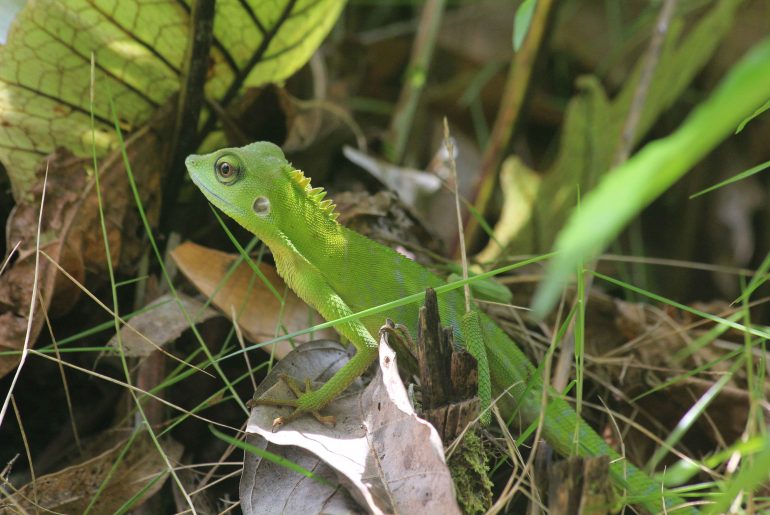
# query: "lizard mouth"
(208, 191)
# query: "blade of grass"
(114, 313)
(249, 261)
(752, 116)
(735, 178)
(750, 476)
(692, 415)
(9, 256)
(33, 300)
(115, 305)
(278, 460)
(130, 386)
(690, 373)
(159, 257)
(684, 469)
(760, 277)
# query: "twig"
(450, 148)
(184, 138)
(416, 74)
(508, 115)
(651, 59)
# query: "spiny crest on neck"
(316, 195)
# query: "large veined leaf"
(139, 49)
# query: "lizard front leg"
(310, 401)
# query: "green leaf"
(521, 22)
(627, 189)
(139, 49)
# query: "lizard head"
(250, 184)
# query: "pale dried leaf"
(413, 186)
(393, 461)
(258, 310)
(421, 191)
(519, 185)
(163, 323)
(289, 491)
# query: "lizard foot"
(298, 391)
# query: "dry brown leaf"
(384, 218)
(70, 490)
(258, 309)
(162, 323)
(390, 460)
(17, 282)
(70, 232)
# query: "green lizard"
(340, 272)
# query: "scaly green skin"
(340, 272)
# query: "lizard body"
(340, 272)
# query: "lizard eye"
(227, 170)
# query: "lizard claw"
(327, 420)
(277, 423)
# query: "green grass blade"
(753, 473)
(278, 460)
(739, 177)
